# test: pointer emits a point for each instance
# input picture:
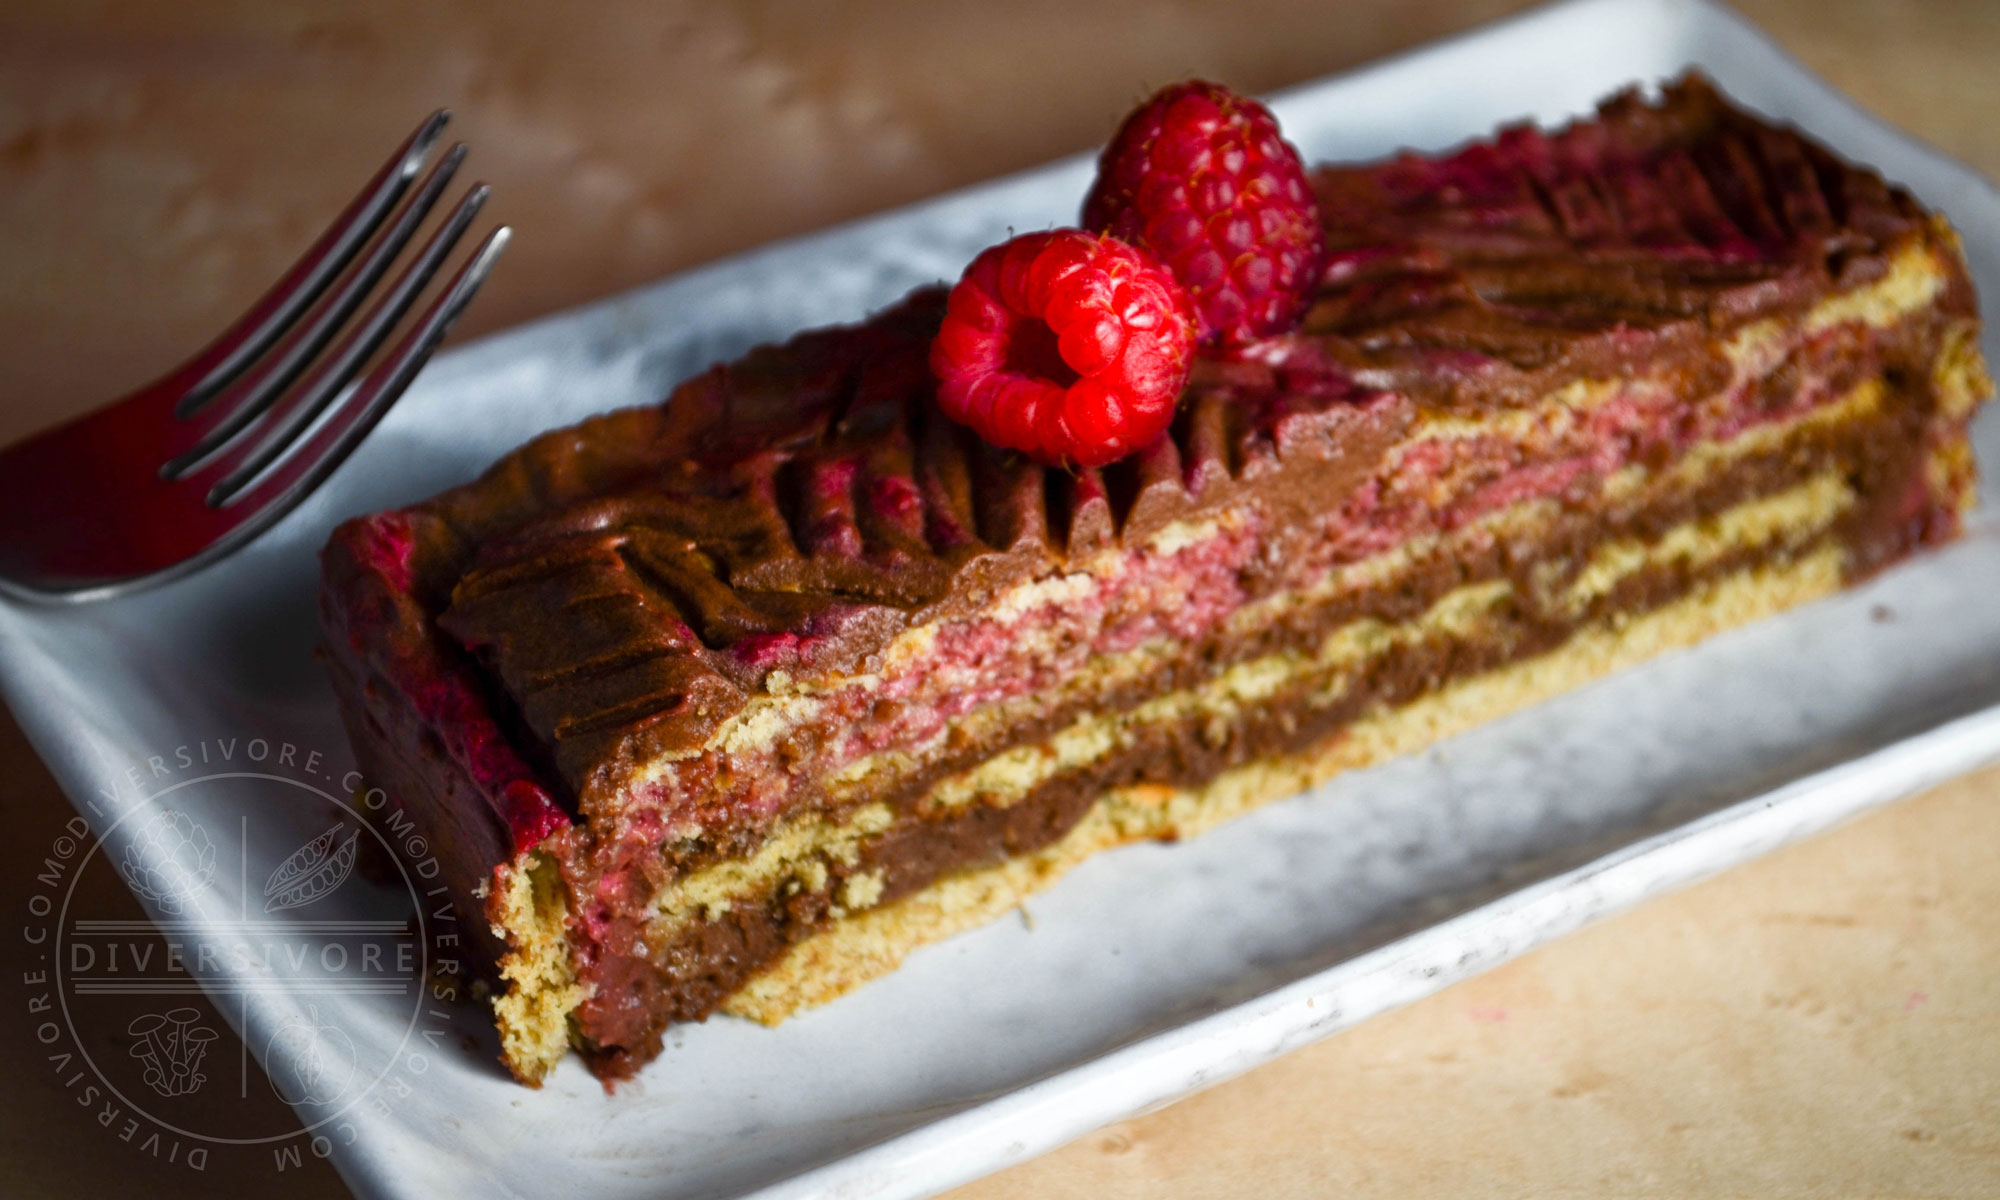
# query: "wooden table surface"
(1825, 1021)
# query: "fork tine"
(249, 461)
(252, 334)
(266, 380)
(313, 458)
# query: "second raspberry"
(1200, 176)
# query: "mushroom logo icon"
(172, 1045)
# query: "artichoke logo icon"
(170, 860)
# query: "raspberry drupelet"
(1200, 176)
(1070, 347)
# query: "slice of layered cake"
(727, 704)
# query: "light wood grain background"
(1823, 1022)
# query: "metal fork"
(189, 468)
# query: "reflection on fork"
(191, 467)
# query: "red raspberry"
(1200, 176)
(1067, 346)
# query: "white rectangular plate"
(1153, 971)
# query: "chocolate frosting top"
(629, 583)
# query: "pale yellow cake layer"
(798, 856)
(541, 988)
(865, 945)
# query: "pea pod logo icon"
(313, 871)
